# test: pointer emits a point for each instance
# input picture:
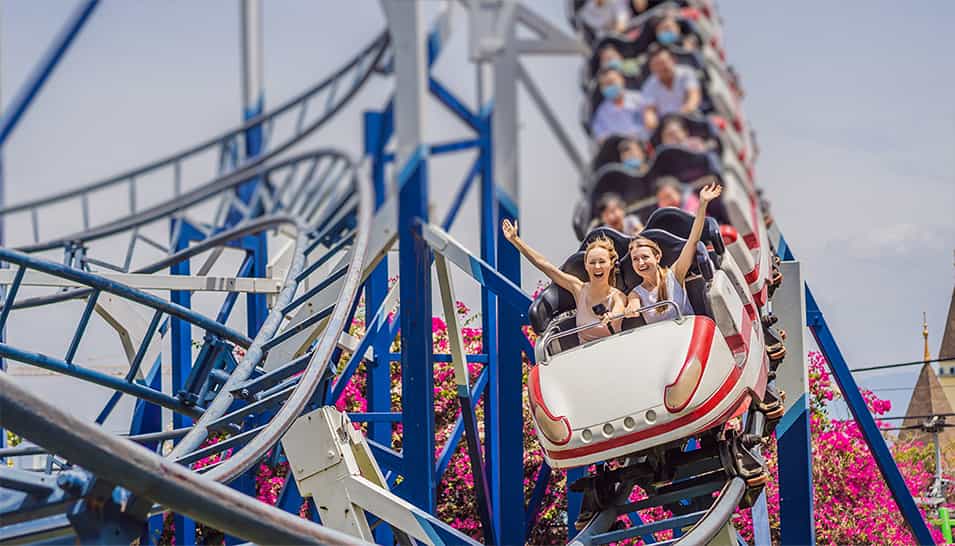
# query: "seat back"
(695, 124)
(608, 153)
(683, 164)
(554, 300)
(626, 278)
(679, 222)
(616, 178)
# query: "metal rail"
(328, 201)
(148, 475)
(553, 335)
(295, 113)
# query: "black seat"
(615, 178)
(554, 300)
(683, 164)
(696, 126)
(608, 153)
(679, 222)
(626, 278)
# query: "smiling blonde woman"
(600, 261)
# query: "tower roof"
(947, 350)
(928, 398)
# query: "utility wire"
(901, 364)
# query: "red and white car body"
(747, 239)
(651, 385)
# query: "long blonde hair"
(662, 272)
(606, 244)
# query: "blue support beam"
(31, 88)
(794, 450)
(378, 127)
(417, 368)
(870, 430)
(507, 380)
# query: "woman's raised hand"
(710, 192)
(510, 230)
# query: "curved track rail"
(314, 209)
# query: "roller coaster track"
(315, 209)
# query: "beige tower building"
(929, 397)
(946, 370)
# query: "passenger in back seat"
(674, 133)
(671, 88)
(612, 214)
(605, 15)
(668, 32)
(600, 262)
(620, 112)
(662, 283)
(671, 193)
(633, 156)
(610, 57)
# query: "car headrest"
(582, 217)
(696, 126)
(608, 153)
(554, 300)
(684, 164)
(628, 48)
(615, 178)
(620, 241)
(671, 246)
(679, 222)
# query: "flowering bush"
(852, 501)
(456, 495)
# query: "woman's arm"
(683, 263)
(619, 307)
(633, 303)
(568, 282)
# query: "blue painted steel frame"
(870, 430)
(503, 400)
(794, 450)
(417, 369)
(31, 88)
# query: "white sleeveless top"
(585, 316)
(676, 293)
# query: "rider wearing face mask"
(632, 156)
(610, 57)
(621, 110)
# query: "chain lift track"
(156, 259)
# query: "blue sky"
(851, 101)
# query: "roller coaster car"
(648, 385)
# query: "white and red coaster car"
(652, 384)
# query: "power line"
(901, 364)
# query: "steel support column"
(253, 104)
(794, 446)
(405, 21)
(377, 130)
(506, 378)
(181, 362)
(31, 88)
(867, 425)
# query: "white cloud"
(897, 240)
